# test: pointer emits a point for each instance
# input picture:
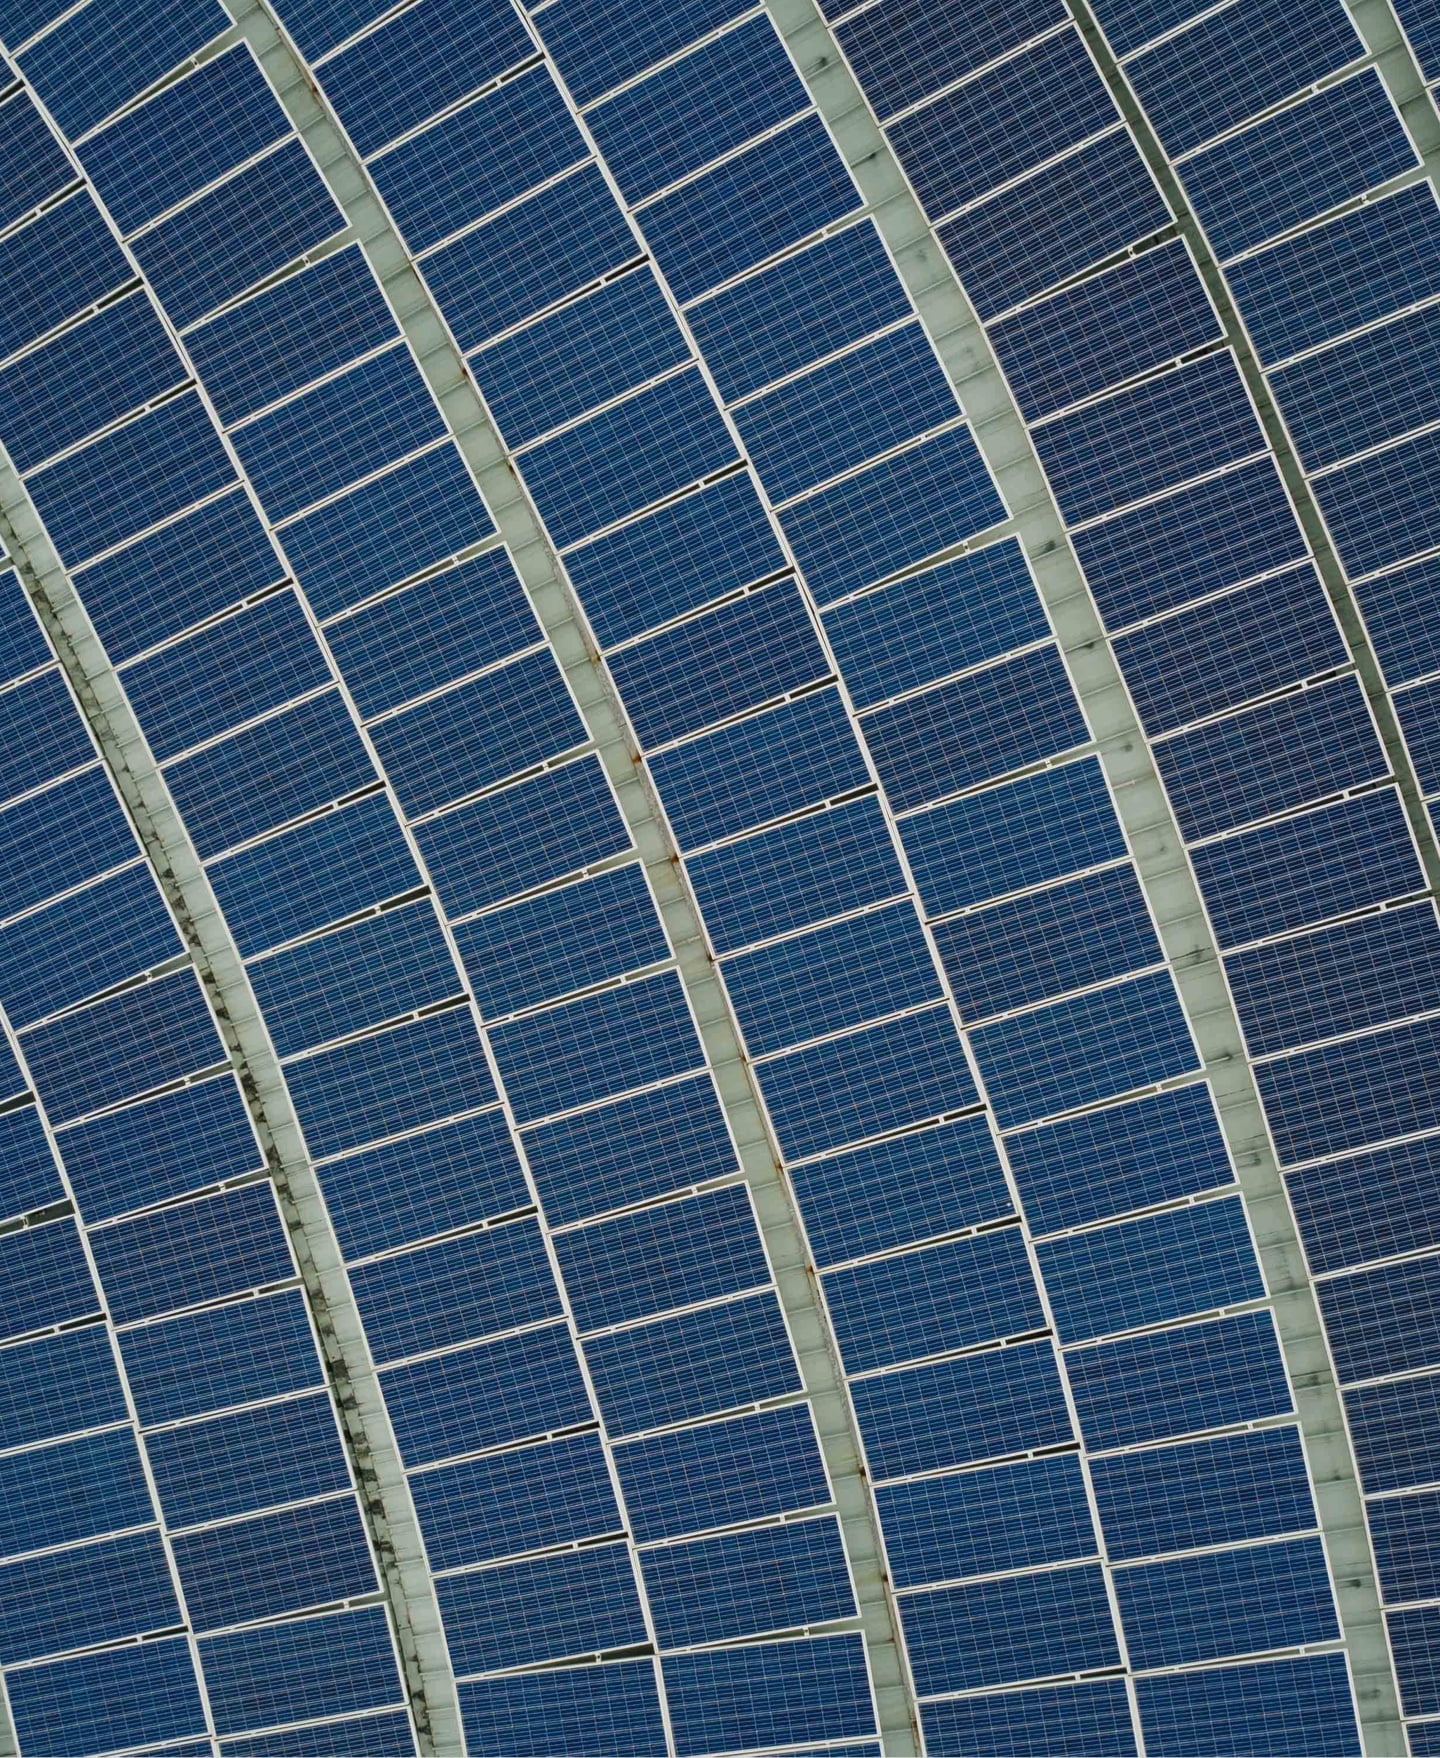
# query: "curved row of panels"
(795, 571)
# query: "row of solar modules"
(128, 1521)
(838, 992)
(1199, 546)
(495, 1281)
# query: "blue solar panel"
(1179, 1381)
(42, 735)
(114, 1049)
(1414, 1640)
(1075, 1052)
(479, 159)
(28, 1175)
(135, 477)
(719, 1358)
(1082, 1721)
(83, 944)
(928, 1302)
(1009, 837)
(180, 575)
(722, 1473)
(1140, 441)
(1296, 165)
(590, 1049)
(763, 768)
(1379, 510)
(234, 237)
(1227, 1602)
(510, 841)
(958, 1412)
(693, 111)
(939, 621)
(746, 653)
(1334, 278)
(418, 63)
(1383, 1321)
(581, 1602)
(892, 515)
(872, 1081)
(325, 869)
(277, 1563)
(97, 1702)
(795, 874)
(628, 457)
(1404, 1534)
(1053, 223)
(1023, 1627)
(193, 132)
(79, 1598)
(58, 1385)
(580, 356)
(86, 378)
(987, 1522)
(479, 733)
(748, 1583)
(1400, 615)
(1203, 1493)
(224, 1355)
(677, 559)
(975, 730)
(1284, 754)
(22, 640)
(840, 414)
(252, 1459)
(1420, 723)
(314, 1666)
(292, 333)
(35, 162)
(769, 1694)
(530, 257)
(510, 1390)
(1003, 123)
(231, 672)
(91, 64)
(1340, 979)
(562, 941)
(192, 1253)
(55, 267)
(1235, 64)
(344, 429)
(1150, 309)
(900, 50)
(808, 304)
(61, 1494)
(1048, 943)
(419, 514)
(1143, 1272)
(899, 1191)
(590, 1711)
(1359, 393)
(1368, 1089)
(1288, 1708)
(1375, 1205)
(1303, 869)
(675, 1255)
(749, 208)
(358, 976)
(467, 1287)
(832, 979)
(631, 1150)
(159, 1149)
(1191, 543)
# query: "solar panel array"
(688, 911)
